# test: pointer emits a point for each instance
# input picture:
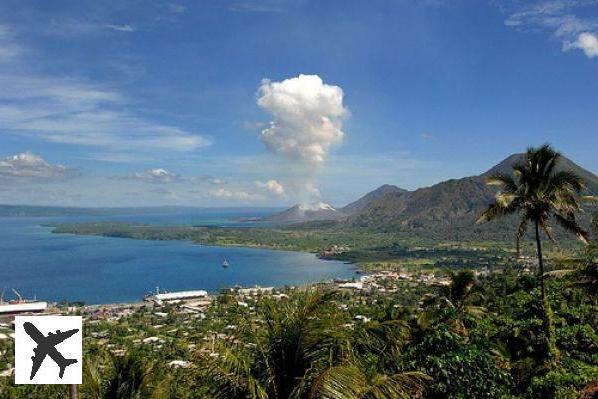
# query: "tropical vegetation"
(503, 327)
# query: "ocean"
(56, 267)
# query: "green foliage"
(403, 340)
(458, 369)
(579, 341)
(562, 383)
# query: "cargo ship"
(20, 305)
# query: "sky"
(272, 103)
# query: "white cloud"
(120, 28)
(271, 186)
(231, 194)
(157, 175)
(79, 112)
(569, 22)
(257, 6)
(9, 50)
(30, 166)
(587, 42)
(307, 117)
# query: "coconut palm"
(277, 354)
(585, 274)
(454, 303)
(538, 194)
(353, 381)
(131, 377)
(369, 367)
(297, 348)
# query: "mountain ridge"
(447, 209)
(451, 207)
(364, 200)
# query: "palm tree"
(353, 381)
(454, 303)
(369, 367)
(276, 354)
(538, 193)
(297, 348)
(131, 377)
(585, 274)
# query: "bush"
(459, 370)
(562, 383)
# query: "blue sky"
(153, 103)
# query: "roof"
(180, 295)
(23, 307)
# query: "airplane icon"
(46, 346)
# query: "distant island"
(370, 228)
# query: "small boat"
(225, 263)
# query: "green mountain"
(367, 199)
(448, 210)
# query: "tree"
(130, 376)
(455, 303)
(275, 354)
(297, 348)
(538, 193)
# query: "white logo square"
(48, 349)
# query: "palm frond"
(504, 181)
(569, 223)
(494, 211)
(521, 228)
(340, 382)
(349, 381)
(564, 180)
(589, 199)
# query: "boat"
(225, 263)
(20, 305)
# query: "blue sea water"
(56, 267)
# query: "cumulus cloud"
(586, 42)
(568, 21)
(271, 186)
(306, 115)
(30, 166)
(157, 175)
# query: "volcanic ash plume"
(307, 117)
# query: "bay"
(56, 267)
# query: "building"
(177, 296)
(7, 309)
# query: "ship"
(20, 305)
(225, 263)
